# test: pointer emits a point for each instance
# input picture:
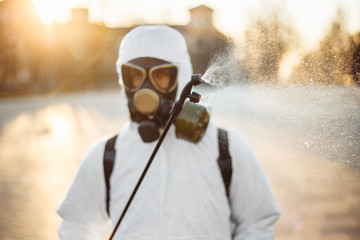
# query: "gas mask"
(150, 86)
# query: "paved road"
(315, 177)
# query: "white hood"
(158, 41)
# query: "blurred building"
(21, 45)
(203, 39)
(77, 55)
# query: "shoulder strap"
(224, 159)
(108, 162)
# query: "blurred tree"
(355, 57)
(331, 62)
(267, 40)
(84, 53)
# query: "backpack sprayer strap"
(224, 159)
(108, 162)
(224, 162)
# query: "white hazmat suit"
(183, 195)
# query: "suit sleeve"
(253, 206)
(83, 210)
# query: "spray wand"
(176, 109)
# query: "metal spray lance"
(176, 109)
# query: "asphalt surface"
(307, 140)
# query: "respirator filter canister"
(192, 122)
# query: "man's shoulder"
(238, 142)
(233, 133)
(97, 148)
(100, 143)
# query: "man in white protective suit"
(183, 195)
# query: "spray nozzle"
(186, 93)
(196, 79)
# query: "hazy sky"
(311, 17)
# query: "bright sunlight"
(50, 11)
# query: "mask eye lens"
(164, 77)
(133, 76)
